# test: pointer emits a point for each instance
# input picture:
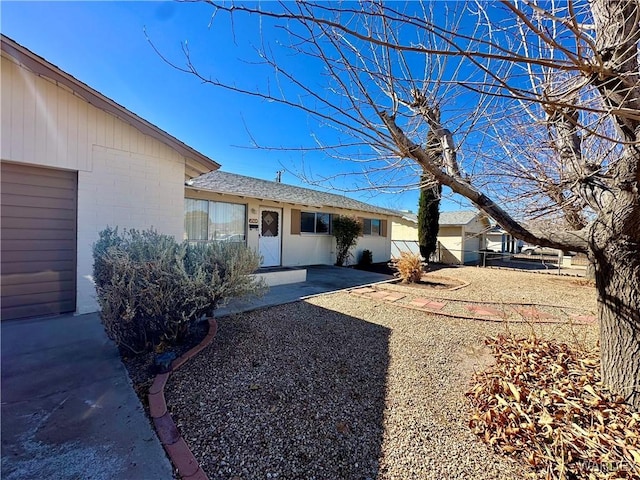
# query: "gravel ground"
(342, 387)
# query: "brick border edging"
(482, 318)
(175, 446)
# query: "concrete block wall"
(125, 178)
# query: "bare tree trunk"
(618, 284)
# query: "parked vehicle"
(538, 250)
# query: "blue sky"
(103, 44)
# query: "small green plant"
(346, 230)
(409, 267)
(366, 258)
(152, 290)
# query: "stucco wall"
(125, 178)
(451, 244)
(404, 230)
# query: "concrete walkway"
(68, 408)
(320, 279)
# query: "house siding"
(405, 230)
(451, 244)
(125, 178)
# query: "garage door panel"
(32, 181)
(38, 309)
(39, 217)
(11, 268)
(38, 192)
(35, 216)
(17, 200)
(37, 298)
(32, 244)
(32, 288)
(35, 234)
(23, 256)
(47, 223)
(25, 279)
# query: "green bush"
(346, 230)
(152, 290)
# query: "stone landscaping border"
(177, 449)
(485, 314)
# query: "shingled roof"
(463, 217)
(447, 219)
(233, 184)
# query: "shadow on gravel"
(298, 396)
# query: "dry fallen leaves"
(544, 403)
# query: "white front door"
(270, 236)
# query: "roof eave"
(196, 163)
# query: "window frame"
(371, 232)
(210, 206)
(329, 223)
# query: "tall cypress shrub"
(428, 217)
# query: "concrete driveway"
(68, 408)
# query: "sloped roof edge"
(40, 66)
(240, 185)
(460, 217)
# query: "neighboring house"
(74, 162)
(499, 240)
(404, 234)
(288, 225)
(461, 235)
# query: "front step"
(281, 275)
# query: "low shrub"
(409, 267)
(151, 289)
(366, 258)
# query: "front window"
(208, 221)
(371, 226)
(315, 222)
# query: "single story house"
(461, 235)
(499, 240)
(74, 162)
(287, 225)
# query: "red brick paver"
(364, 290)
(379, 295)
(199, 475)
(167, 430)
(428, 304)
(157, 404)
(394, 297)
(485, 311)
(584, 318)
(182, 458)
(177, 449)
(533, 312)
